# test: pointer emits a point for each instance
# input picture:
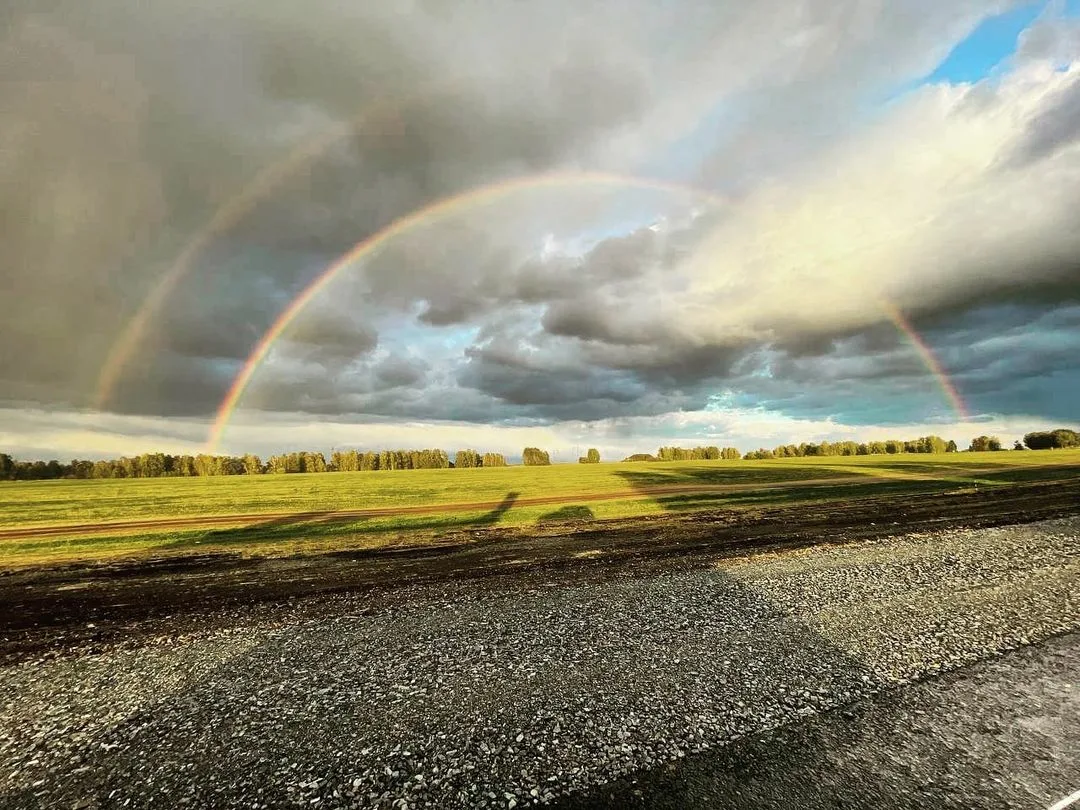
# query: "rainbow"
(231, 212)
(448, 205)
(929, 359)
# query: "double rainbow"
(483, 196)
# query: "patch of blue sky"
(441, 342)
(985, 49)
(987, 46)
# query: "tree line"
(710, 453)
(164, 465)
(925, 444)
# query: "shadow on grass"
(332, 524)
(658, 476)
(804, 494)
(567, 514)
(1022, 475)
(931, 467)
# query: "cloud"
(123, 130)
(1055, 128)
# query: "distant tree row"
(148, 465)
(160, 465)
(710, 453)
(163, 465)
(470, 458)
(926, 444)
(357, 461)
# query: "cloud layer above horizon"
(791, 173)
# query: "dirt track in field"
(252, 518)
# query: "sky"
(565, 224)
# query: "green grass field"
(754, 483)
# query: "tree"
(494, 460)
(982, 444)
(252, 465)
(1018, 445)
(535, 457)
(80, 469)
(593, 456)
(730, 454)
(641, 457)
(312, 462)
(467, 458)
(951, 447)
(1052, 439)
(345, 460)
(760, 454)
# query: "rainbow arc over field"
(482, 196)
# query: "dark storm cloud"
(333, 334)
(400, 372)
(992, 354)
(127, 127)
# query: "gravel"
(999, 733)
(516, 690)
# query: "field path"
(254, 518)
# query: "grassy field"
(632, 489)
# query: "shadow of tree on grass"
(313, 526)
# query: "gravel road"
(522, 689)
(999, 733)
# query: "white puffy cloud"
(923, 208)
